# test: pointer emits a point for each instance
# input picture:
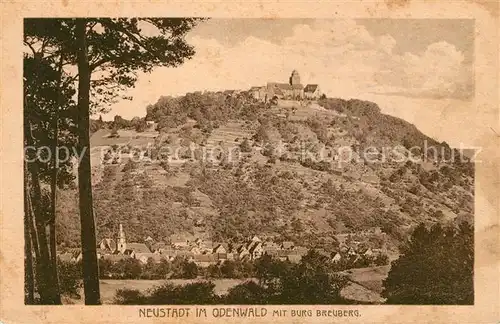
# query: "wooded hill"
(267, 191)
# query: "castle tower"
(295, 78)
(122, 242)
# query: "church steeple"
(122, 242)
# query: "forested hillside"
(275, 172)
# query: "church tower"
(295, 78)
(122, 242)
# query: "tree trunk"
(29, 283)
(53, 184)
(89, 244)
(45, 284)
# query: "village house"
(182, 240)
(144, 257)
(287, 245)
(242, 252)
(220, 248)
(293, 258)
(107, 244)
(337, 257)
(113, 258)
(367, 252)
(255, 238)
(204, 260)
(187, 255)
(195, 250)
(138, 248)
(301, 250)
(198, 241)
(206, 246)
(157, 246)
(270, 245)
(168, 254)
(256, 250)
(271, 251)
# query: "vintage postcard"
(250, 162)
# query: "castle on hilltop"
(293, 90)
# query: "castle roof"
(310, 88)
(282, 86)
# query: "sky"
(415, 69)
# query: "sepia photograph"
(248, 161)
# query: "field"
(109, 287)
(365, 285)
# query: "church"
(292, 90)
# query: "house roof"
(251, 244)
(115, 257)
(301, 250)
(181, 237)
(158, 245)
(281, 86)
(207, 244)
(138, 247)
(295, 258)
(310, 88)
(270, 244)
(297, 86)
(168, 251)
(220, 245)
(271, 251)
(128, 252)
(147, 255)
(185, 254)
(204, 258)
(108, 243)
(221, 256)
(255, 247)
(323, 252)
(255, 238)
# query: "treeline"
(277, 282)
(179, 268)
(209, 109)
(137, 123)
(370, 127)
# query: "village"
(353, 249)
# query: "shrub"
(70, 276)
(436, 268)
(245, 146)
(129, 297)
(114, 133)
